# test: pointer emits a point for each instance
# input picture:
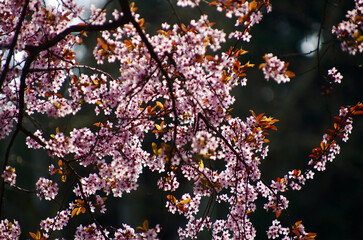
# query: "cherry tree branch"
(201, 116)
(126, 10)
(18, 126)
(77, 28)
(13, 44)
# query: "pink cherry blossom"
(46, 188)
(335, 75)
(9, 175)
(275, 68)
(9, 230)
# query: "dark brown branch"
(72, 67)
(225, 141)
(19, 124)
(85, 198)
(126, 10)
(77, 28)
(319, 36)
(13, 44)
(23, 189)
(31, 135)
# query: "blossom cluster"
(335, 75)
(276, 69)
(350, 31)
(9, 175)
(8, 112)
(56, 223)
(204, 143)
(46, 188)
(90, 232)
(275, 230)
(248, 13)
(9, 230)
